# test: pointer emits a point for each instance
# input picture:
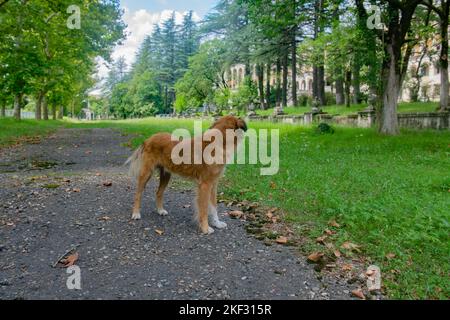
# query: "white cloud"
(139, 23)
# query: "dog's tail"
(135, 162)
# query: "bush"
(330, 99)
(304, 100)
(324, 128)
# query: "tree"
(442, 9)
(206, 73)
(399, 15)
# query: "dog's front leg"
(212, 210)
(203, 198)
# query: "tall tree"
(399, 15)
(442, 9)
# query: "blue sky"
(199, 6)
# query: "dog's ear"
(240, 124)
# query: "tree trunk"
(260, 71)
(391, 81)
(61, 112)
(278, 93)
(268, 74)
(339, 87)
(443, 101)
(17, 105)
(356, 82)
(321, 85)
(44, 108)
(3, 109)
(53, 111)
(38, 108)
(294, 65)
(348, 81)
(285, 78)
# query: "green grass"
(403, 107)
(389, 194)
(12, 131)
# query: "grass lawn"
(403, 107)
(390, 195)
(12, 131)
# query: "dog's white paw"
(162, 212)
(136, 216)
(210, 230)
(219, 224)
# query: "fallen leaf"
(321, 239)
(273, 185)
(359, 294)
(160, 232)
(70, 260)
(333, 223)
(98, 174)
(66, 180)
(315, 256)
(269, 215)
(281, 240)
(337, 253)
(107, 183)
(390, 256)
(328, 232)
(347, 267)
(104, 218)
(350, 246)
(236, 214)
(76, 190)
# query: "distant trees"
(149, 87)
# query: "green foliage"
(40, 55)
(204, 75)
(246, 94)
(324, 128)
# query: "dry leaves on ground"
(315, 256)
(281, 240)
(69, 260)
(237, 214)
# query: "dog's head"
(229, 122)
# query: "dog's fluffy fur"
(156, 152)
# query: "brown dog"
(156, 152)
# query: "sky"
(140, 17)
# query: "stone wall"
(365, 119)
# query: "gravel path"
(53, 198)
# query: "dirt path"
(52, 198)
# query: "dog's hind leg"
(212, 209)
(203, 198)
(144, 176)
(164, 178)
